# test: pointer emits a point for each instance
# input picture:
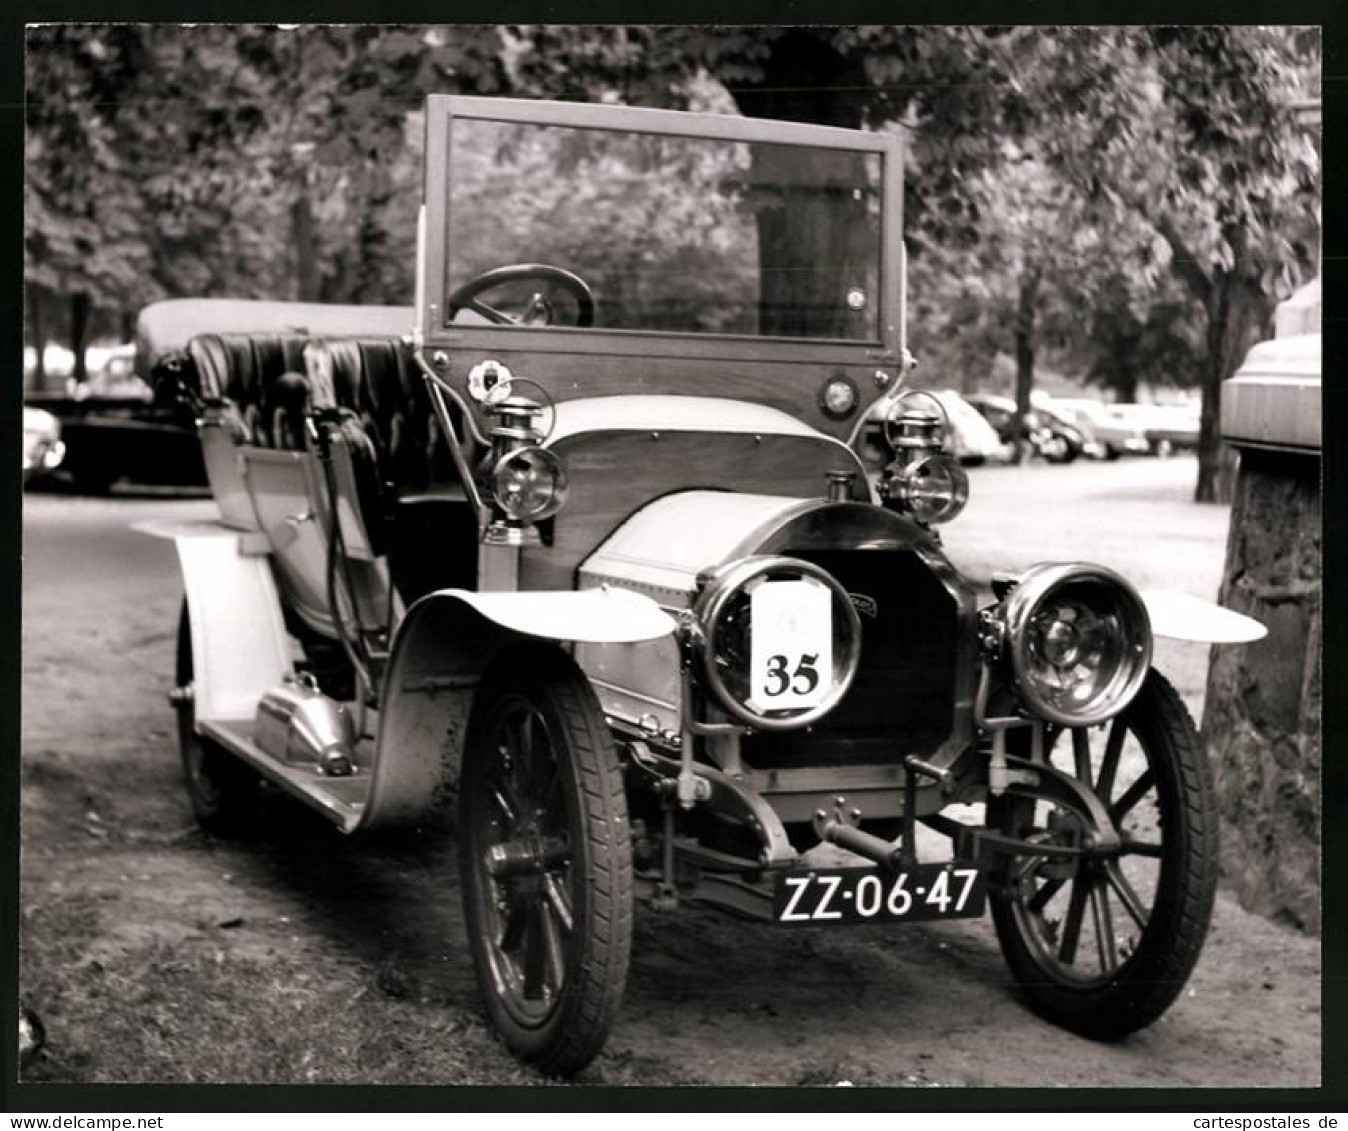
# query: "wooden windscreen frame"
(432, 253)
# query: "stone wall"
(1262, 720)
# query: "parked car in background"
(596, 564)
(1049, 437)
(114, 425)
(113, 429)
(42, 446)
(1167, 428)
(1107, 433)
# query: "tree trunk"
(805, 80)
(821, 220)
(1025, 308)
(1238, 313)
(37, 335)
(307, 283)
(1125, 386)
(79, 333)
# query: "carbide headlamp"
(932, 487)
(529, 484)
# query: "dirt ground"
(153, 952)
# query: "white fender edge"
(1180, 616)
(603, 615)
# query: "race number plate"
(791, 656)
(874, 895)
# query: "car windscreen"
(674, 233)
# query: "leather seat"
(375, 378)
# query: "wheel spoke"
(490, 312)
(535, 951)
(1126, 893)
(1109, 764)
(557, 900)
(553, 948)
(1076, 912)
(522, 739)
(554, 809)
(515, 922)
(1104, 928)
(1040, 899)
(1131, 796)
(1081, 752)
(509, 810)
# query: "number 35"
(804, 680)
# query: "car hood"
(665, 547)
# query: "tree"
(165, 160)
(1020, 287)
(1191, 131)
(946, 83)
(1138, 332)
(1185, 130)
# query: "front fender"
(1182, 617)
(443, 647)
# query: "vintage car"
(1108, 435)
(584, 553)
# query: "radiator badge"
(866, 606)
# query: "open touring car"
(581, 544)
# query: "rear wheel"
(222, 790)
(546, 860)
(1102, 943)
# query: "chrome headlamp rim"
(904, 479)
(901, 404)
(560, 483)
(1019, 608)
(709, 612)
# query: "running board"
(340, 799)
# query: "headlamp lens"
(1079, 643)
(839, 396)
(933, 488)
(529, 484)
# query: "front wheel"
(1103, 943)
(546, 860)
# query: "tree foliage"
(1191, 132)
(1131, 200)
(250, 161)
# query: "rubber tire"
(225, 804)
(1153, 976)
(601, 940)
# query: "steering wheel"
(539, 311)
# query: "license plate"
(875, 895)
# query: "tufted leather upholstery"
(375, 378)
